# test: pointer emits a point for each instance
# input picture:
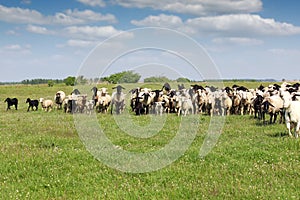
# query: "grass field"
(42, 157)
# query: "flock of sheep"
(274, 100)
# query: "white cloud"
(238, 25)
(196, 7)
(93, 3)
(69, 17)
(20, 15)
(38, 29)
(237, 41)
(11, 32)
(15, 49)
(242, 24)
(93, 32)
(81, 43)
(161, 20)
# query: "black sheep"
(11, 102)
(32, 103)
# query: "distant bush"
(184, 80)
(156, 79)
(122, 77)
(69, 81)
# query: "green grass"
(42, 157)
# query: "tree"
(70, 80)
(50, 83)
(183, 80)
(122, 77)
(130, 77)
(155, 79)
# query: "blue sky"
(244, 38)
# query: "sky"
(237, 39)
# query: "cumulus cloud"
(242, 24)
(237, 41)
(196, 7)
(93, 32)
(81, 43)
(38, 29)
(69, 17)
(93, 3)
(234, 25)
(16, 49)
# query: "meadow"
(43, 157)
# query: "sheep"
(201, 100)
(146, 98)
(226, 104)
(47, 105)
(292, 114)
(185, 105)
(103, 103)
(118, 99)
(89, 106)
(32, 103)
(133, 99)
(257, 106)
(246, 99)
(66, 105)
(11, 102)
(272, 105)
(159, 108)
(80, 103)
(59, 98)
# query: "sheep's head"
(41, 100)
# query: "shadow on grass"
(279, 135)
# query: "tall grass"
(42, 157)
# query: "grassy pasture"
(42, 157)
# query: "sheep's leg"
(288, 126)
(275, 117)
(111, 109)
(297, 129)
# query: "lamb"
(159, 108)
(59, 98)
(118, 99)
(32, 103)
(89, 106)
(292, 114)
(185, 105)
(47, 105)
(11, 102)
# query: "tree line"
(116, 78)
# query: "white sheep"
(89, 106)
(226, 103)
(118, 99)
(47, 105)
(59, 99)
(292, 114)
(159, 108)
(185, 105)
(103, 103)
